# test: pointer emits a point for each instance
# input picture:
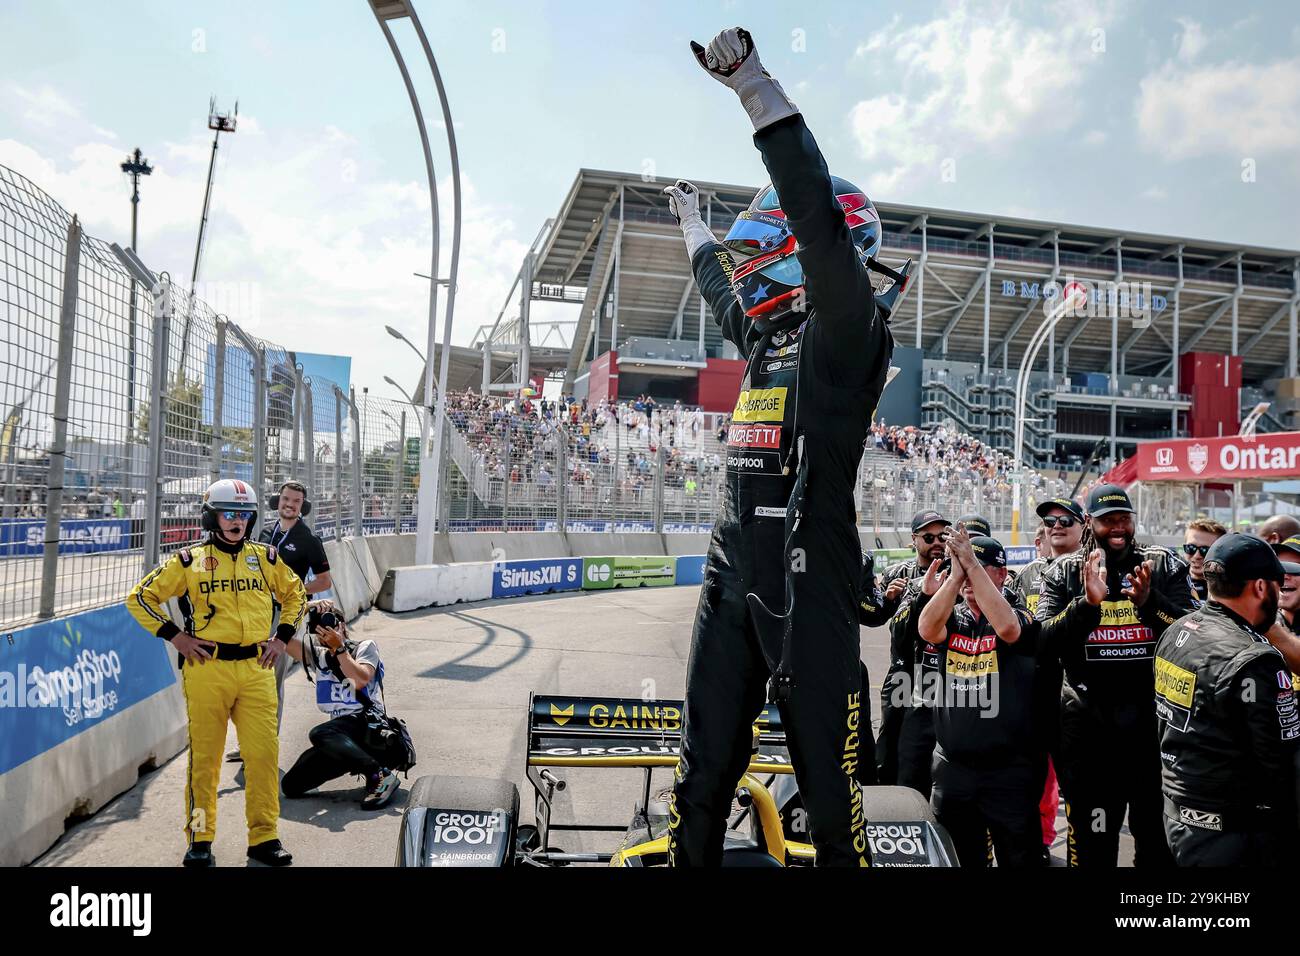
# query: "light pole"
(135, 167)
(430, 445)
(423, 362)
(1069, 302)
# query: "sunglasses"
(1190, 549)
(244, 516)
(1065, 521)
(930, 538)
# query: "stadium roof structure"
(615, 248)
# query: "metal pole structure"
(435, 453)
(62, 397)
(920, 279)
(385, 11)
(258, 355)
(338, 463)
(505, 485)
(1022, 379)
(1178, 291)
(659, 492)
(1291, 338)
(135, 167)
(401, 474)
(618, 269)
(218, 400)
(309, 436)
(357, 527)
(525, 335)
(297, 416)
(561, 480)
(219, 123)
(988, 280)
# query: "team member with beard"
(986, 779)
(1103, 608)
(1227, 715)
(779, 602)
(1200, 534)
(905, 760)
(1062, 529)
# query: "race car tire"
(471, 798)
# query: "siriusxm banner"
(26, 539)
(690, 568)
(513, 578)
(65, 676)
(1018, 555)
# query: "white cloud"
(1155, 193)
(1095, 137)
(1191, 40)
(306, 217)
(1235, 109)
(43, 107)
(979, 76)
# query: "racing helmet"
(769, 280)
(229, 494)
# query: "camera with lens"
(321, 617)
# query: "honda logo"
(1164, 457)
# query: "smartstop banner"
(623, 571)
(65, 676)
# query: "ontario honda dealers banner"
(1210, 459)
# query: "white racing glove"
(684, 203)
(732, 60)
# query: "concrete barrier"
(470, 546)
(529, 545)
(349, 583)
(686, 543)
(392, 551)
(626, 543)
(411, 588)
(366, 565)
(80, 775)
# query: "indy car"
(475, 821)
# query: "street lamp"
(411, 402)
(386, 11)
(423, 362)
(1075, 299)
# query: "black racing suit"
(1228, 737)
(794, 446)
(985, 775)
(895, 691)
(1028, 586)
(911, 694)
(1109, 754)
(871, 613)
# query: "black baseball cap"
(976, 524)
(1243, 557)
(1069, 504)
(989, 551)
(923, 518)
(1290, 544)
(1105, 499)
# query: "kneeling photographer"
(359, 737)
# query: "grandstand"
(613, 253)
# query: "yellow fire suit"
(225, 595)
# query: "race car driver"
(780, 592)
(986, 779)
(224, 588)
(1062, 529)
(1227, 715)
(1103, 608)
(899, 693)
(1289, 600)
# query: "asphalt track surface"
(460, 676)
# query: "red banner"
(1276, 455)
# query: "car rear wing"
(625, 732)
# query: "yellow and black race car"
(472, 821)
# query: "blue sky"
(1122, 114)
